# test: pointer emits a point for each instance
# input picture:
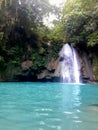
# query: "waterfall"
(68, 68)
(76, 67)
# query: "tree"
(79, 21)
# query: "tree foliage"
(23, 36)
(79, 22)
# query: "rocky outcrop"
(26, 64)
(24, 71)
(86, 60)
(86, 66)
(48, 73)
(52, 65)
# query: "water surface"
(48, 106)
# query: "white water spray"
(68, 68)
(76, 67)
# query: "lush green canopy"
(79, 22)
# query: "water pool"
(48, 106)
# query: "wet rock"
(86, 66)
(26, 64)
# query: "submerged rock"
(92, 107)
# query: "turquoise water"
(48, 106)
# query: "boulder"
(26, 64)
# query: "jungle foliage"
(79, 22)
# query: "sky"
(48, 20)
(57, 2)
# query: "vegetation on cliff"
(27, 45)
(79, 26)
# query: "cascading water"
(68, 68)
(76, 67)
